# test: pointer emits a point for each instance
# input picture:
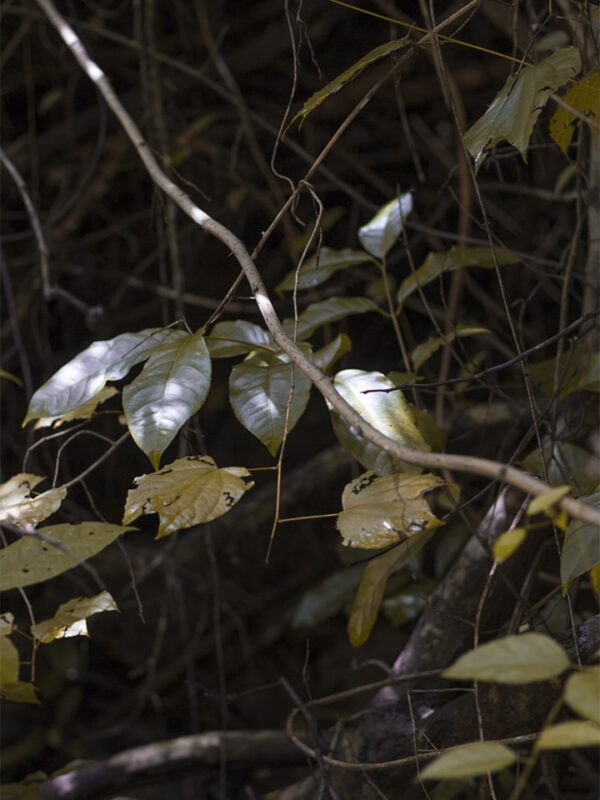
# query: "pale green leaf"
(382, 511)
(237, 338)
(320, 267)
(545, 502)
(315, 100)
(582, 693)
(327, 311)
(382, 232)
(84, 376)
(450, 260)
(17, 505)
(57, 548)
(517, 106)
(260, 390)
(9, 662)
(330, 353)
(387, 411)
(584, 97)
(581, 545)
(508, 543)
(426, 349)
(576, 733)
(70, 618)
(513, 659)
(469, 760)
(190, 491)
(84, 411)
(7, 623)
(564, 462)
(169, 390)
(326, 599)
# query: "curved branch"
(477, 466)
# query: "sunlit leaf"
(584, 97)
(508, 543)
(17, 505)
(331, 353)
(576, 733)
(326, 599)
(582, 693)
(545, 503)
(315, 100)
(426, 349)
(190, 491)
(450, 260)
(469, 760)
(260, 390)
(320, 267)
(70, 618)
(513, 659)
(84, 376)
(55, 549)
(382, 232)
(387, 411)
(382, 511)
(564, 462)
(517, 106)
(327, 311)
(169, 390)
(237, 338)
(581, 545)
(85, 411)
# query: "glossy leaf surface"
(380, 234)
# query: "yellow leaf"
(582, 693)
(576, 733)
(17, 505)
(70, 619)
(468, 760)
(545, 502)
(7, 623)
(583, 97)
(84, 411)
(594, 575)
(11, 688)
(506, 544)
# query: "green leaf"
(84, 411)
(237, 338)
(581, 545)
(582, 693)
(513, 659)
(56, 549)
(427, 427)
(320, 267)
(450, 260)
(508, 543)
(469, 760)
(70, 618)
(517, 106)
(327, 311)
(545, 503)
(189, 491)
(260, 389)
(372, 586)
(171, 388)
(388, 412)
(426, 349)
(17, 505)
(10, 377)
(315, 100)
(583, 97)
(331, 353)
(566, 463)
(7, 623)
(383, 511)
(577, 733)
(382, 232)
(84, 376)
(326, 599)
(579, 370)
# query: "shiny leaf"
(84, 411)
(469, 760)
(19, 507)
(70, 618)
(237, 338)
(331, 353)
(584, 97)
(382, 232)
(320, 267)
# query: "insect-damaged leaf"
(513, 659)
(84, 376)
(55, 549)
(17, 505)
(320, 267)
(575, 733)
(187, 492)
(171, 388)
(469, 760)
(382, 511)
(583, 97)
(260, 390)
(237, 338)
(70, 618)
(381, 232)
(516, 107)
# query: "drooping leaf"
(19, 507)
(450, 260)
(584, 97)
(581, 545)
(315, 100)
(326, 599)
(517, 106)
(545, 503)
(387, 411)
(320, 267)
(330, 353)
(508, 543)
(237, 338)
(382, 232)
(566, 463)
(84, 376)
(171, 388)
(84, 411)
(576, 733)
(189, 491)
(70, 618)
(426, 349)
(327, 311)
(382, 511)
(57, 548)
(582, 693)
(373, 583)
(260, 390)
(514, 659)
(469, 760)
